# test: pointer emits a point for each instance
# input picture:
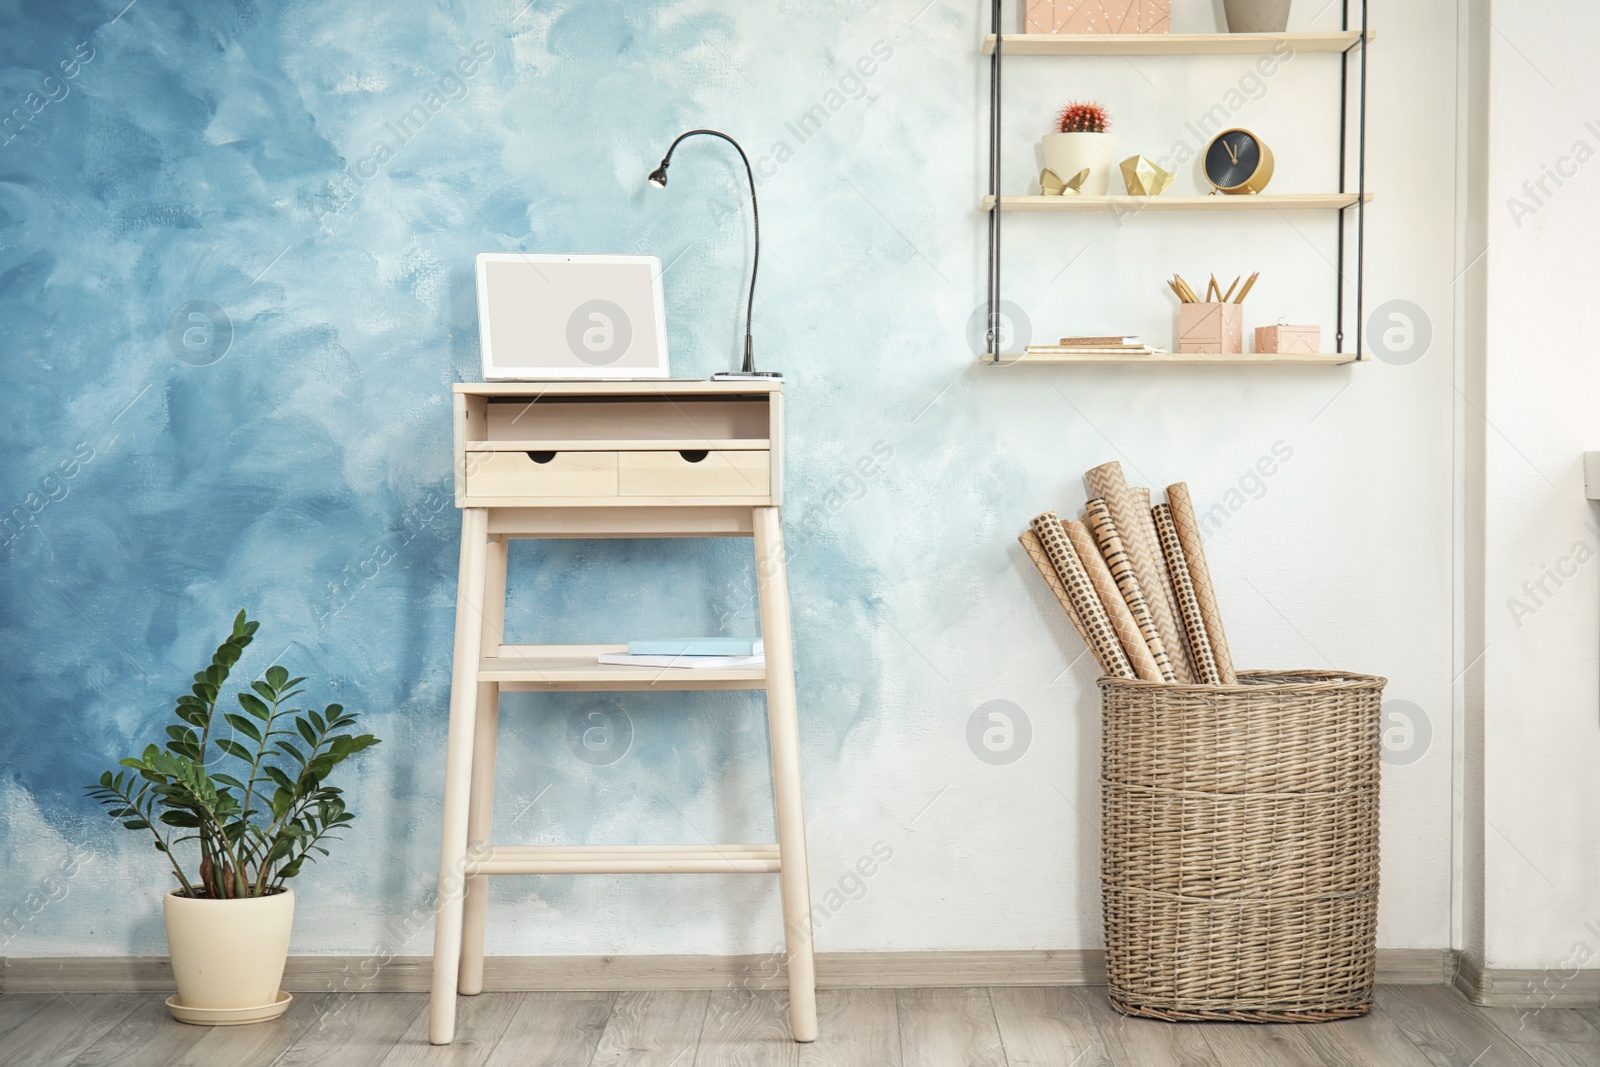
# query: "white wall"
(1541, 704)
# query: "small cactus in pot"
(1082, 141)
(1083, 118)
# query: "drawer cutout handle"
(694, 455)
(541, 457)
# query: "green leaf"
(185, 819)
(277, 677)
(244, 726)
(136, 824)
(278, 777)
(255, 706)
(318, 722)
(238, 623)
(235, 749)
(228, 780)
(306, 731)
(292, 752)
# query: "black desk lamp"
(658, 178)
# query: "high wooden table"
(608, 459)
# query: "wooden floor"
(1019, 1027)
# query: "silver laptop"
(570, 317)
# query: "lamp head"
(658, 177)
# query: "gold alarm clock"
(1237, 161)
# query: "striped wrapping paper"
(1103, 640)
(1115, 553)
(1116, 608)
(1194, 554)
(1106, 481)
(1146, 532)
(1193, 619)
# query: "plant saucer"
(229, 1016)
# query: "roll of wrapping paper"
(1194, 554)
(1102, 637)
(1122, 621)
(1193, 618)
(1179, 656)
(1047, 571)
(1115, 554)
(1106, 482)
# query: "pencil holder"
(1213, 327)
(1239, 846)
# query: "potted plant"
(1256, 16)
(1081, 142)
(245, 795)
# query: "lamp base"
(746, 376)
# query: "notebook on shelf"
(625, 659)
(697, 646)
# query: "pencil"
(1245, 291)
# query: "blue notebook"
(698, 646)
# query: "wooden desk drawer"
(562, 474)
(679, 474)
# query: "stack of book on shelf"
(691, 653)
(1114, 345)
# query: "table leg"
(458, 775)
(783, 727)
(480, 808)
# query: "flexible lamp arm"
(659, 178)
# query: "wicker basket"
(1239, 852)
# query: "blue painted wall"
(236, 242)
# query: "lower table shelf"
(629, 859)
(554, 668)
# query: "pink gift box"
(1214, 327)
(1285, 339)
(1097, 16)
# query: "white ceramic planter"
(1256, 16)
(229, 954)
(1068, 153)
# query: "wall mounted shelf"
(1172, 44)
(1258, 359)
(1133, 205)
(1349, 44)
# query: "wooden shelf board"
(1173, 44)
(1258, 359)
(635, 444)
(1134, 205)
(544, 668)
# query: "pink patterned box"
(1097, 16)
(1285, 339)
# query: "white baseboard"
(882, 970)
(1504, 987)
